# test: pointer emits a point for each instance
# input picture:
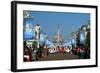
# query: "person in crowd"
(27, 54)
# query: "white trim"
(42, 64)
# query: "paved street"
(59, 56)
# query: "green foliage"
(35, 44)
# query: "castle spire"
(58, 38)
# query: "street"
(59, 56)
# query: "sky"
(67, 22)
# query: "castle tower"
(58, 38)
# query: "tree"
(35, 44)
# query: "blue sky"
(49, 21)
